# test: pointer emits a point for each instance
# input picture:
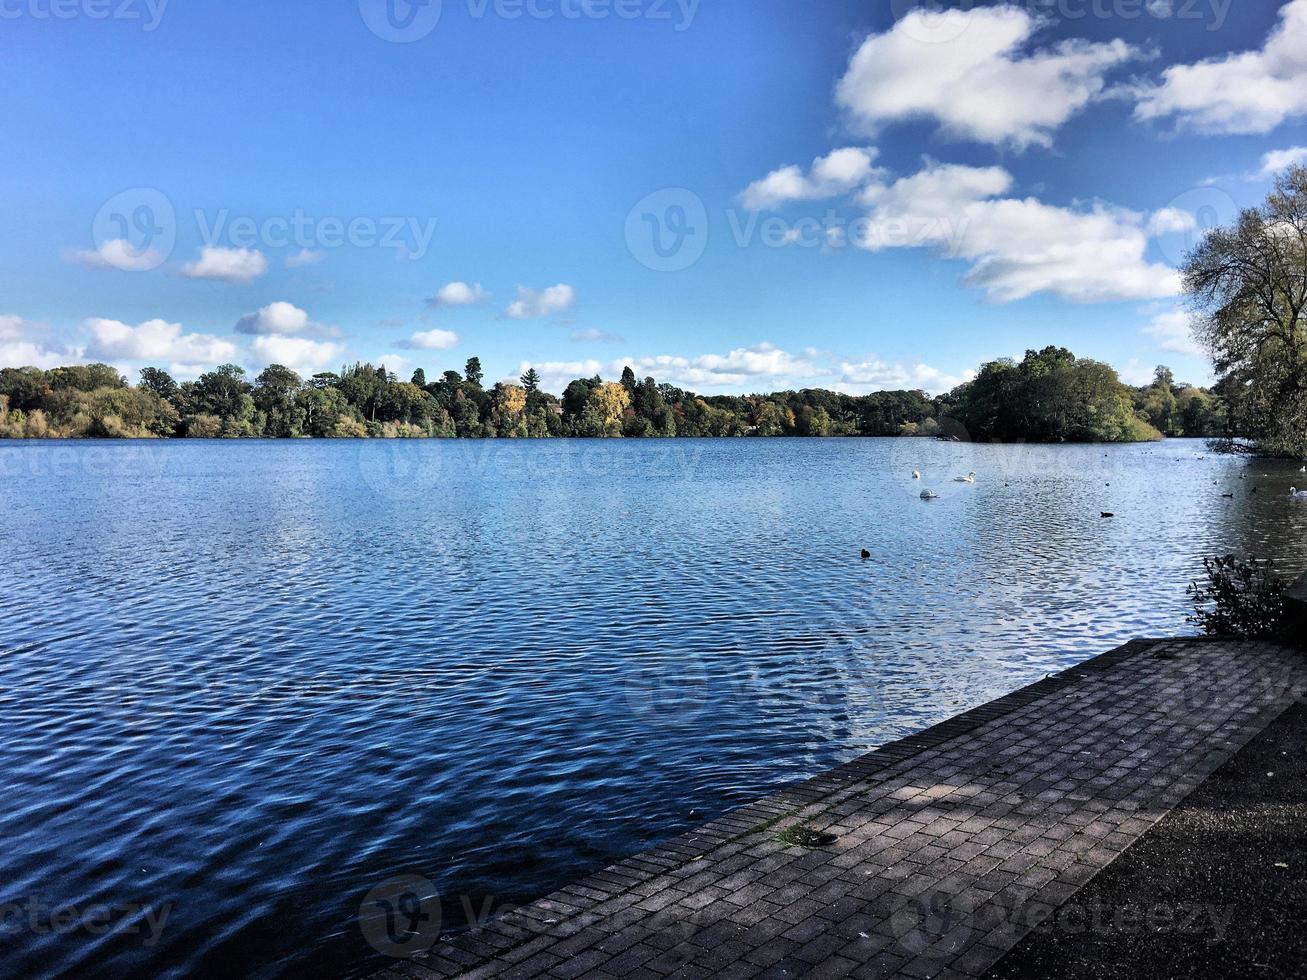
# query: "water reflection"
(257, 680)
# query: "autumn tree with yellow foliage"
(610, 400)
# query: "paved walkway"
(943, 849)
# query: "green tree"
(86, 377)
(275, 391)
(472, 373)
(223, 392)
(160, 382)
(1247, 285)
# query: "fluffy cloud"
(432, 340)
(1248, 92)
(1277, 160)
(236, 265)
(19, 347)
(458, 294)
(156, 341)
(1171, 221)
(533, 303)
(1017, 247)
(762, 367)
(304, 257)
(977, 80)
(874, 374)
(557, 375)
(836, 173)
(300, 354)
(117, 254)
(1173, 333)
(397, 364)
(281, 319)
(742, 366)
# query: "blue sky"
(311, 183)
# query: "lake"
(242, 684)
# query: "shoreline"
(923, 855)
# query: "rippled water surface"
(241, 684)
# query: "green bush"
(1238, 599)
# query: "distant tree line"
(1051, 395)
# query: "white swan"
(1296, 494)
(969, 478)
(916, 474)
(929, 495)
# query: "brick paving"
(945, 849)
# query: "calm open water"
(241, 684)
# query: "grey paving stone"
(951, 844)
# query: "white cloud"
(117, 254)
(836, 173)
(595, 336)
(739, 367)
(304, 257)
(762, 367)
(1161, 9)
(433, 340)
(156, 341)
(557, 375)
(978, 82)
(1017, 247)
(300, 354)
(20, 348)
(1248, 92)
(276, 318)
(26, 354)
(236, 265)
(398, 365)
(458, 294)
(1135, 374)
(532, 303)
(1173, 333)
(1277, 160)
(1171, 221)
(874, 374)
